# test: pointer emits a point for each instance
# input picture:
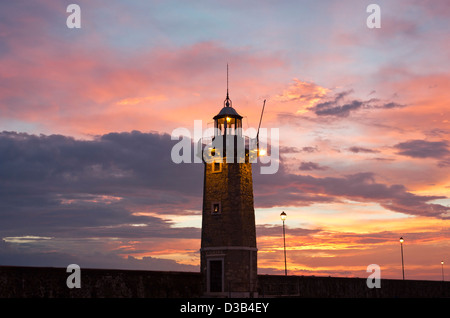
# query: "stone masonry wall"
(48, 282)
(44, 282)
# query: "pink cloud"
(76, 87)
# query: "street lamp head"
(401, 240)
(283, 216)
(442, 262)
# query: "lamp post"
(403, 267)
(283, 217)
(442, 264)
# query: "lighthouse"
(228, 242)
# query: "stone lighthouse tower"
(228, 245)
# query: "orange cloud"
(305, 94)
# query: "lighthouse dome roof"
(228, 111)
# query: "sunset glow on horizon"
(86, 115)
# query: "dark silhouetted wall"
(51, 282)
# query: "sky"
(86, 117)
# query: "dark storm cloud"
(423, 149)
(79, 195)
(58, 186)
(97, 166)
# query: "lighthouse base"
(229, 271)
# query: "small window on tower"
(216, 166)
(216, 208)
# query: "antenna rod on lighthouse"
(259, 126)
(260, 120)
(227, 82)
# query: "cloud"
(356, 149)
(390, 105)
(12, 254)
(62, 186)
(290, 149)
(304, 92)
(91, 81)
(137, 100)
(121, 188)
(338, 110)
(95, 201)
(426, 149)
(287, 189)
(339, 106)
(423, 149)
(310, 149)
(437, 132)
(444, 163)
(308, 166)
(274, 230)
